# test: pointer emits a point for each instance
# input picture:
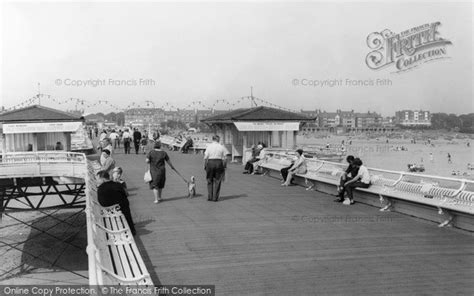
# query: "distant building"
(95, 120)
(388, 121)
(340, 121)
(144, 117)
(369, 119)
(187, 116)
(413, 118)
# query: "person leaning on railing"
(299, 167)
(362, 180)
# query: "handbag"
(147, 177)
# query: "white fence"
(42, 163)
(109, 246)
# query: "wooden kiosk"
(240, 129)
(37, 128)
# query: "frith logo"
(407, 49)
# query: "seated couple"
(356, 175)
(258, 155)
(297, 167)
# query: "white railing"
(91, 250)
(43, 163)
(457, 191)
(100, 239)
(54, 163)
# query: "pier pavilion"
(240, 129)
(37, 128)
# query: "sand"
(377, 153)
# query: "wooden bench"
(114, 258)
(447, 201)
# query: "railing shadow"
(57, 241)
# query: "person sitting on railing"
(108, 163)
(111, 193)
(348, 174)
(299, 167)
(362, 180)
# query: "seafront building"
(413, 118)
(347, 121)
(154, 117)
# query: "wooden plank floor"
(262, 239)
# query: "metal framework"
(45, 182)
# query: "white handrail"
(43, 163)
(383, 170)
(42, 156)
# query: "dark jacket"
(137, 136)
(353, 170)
(111, 193)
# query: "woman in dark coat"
(157, 158)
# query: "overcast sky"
(210, 51)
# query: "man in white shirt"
(215, 158)
(126, 137)
(114, 137)
(362, 179)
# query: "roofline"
(74, 118)
(42, 120)
(252, 120)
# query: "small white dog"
(192, 187)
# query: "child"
(117, 177)
(143, 143)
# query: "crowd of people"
(113, 139)
(112, 189)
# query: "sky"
(173, 54)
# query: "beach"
(377, 153)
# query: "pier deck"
(262, 239)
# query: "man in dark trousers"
(137, 136)
(351, 171)
(110, 193)
(215, 163)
